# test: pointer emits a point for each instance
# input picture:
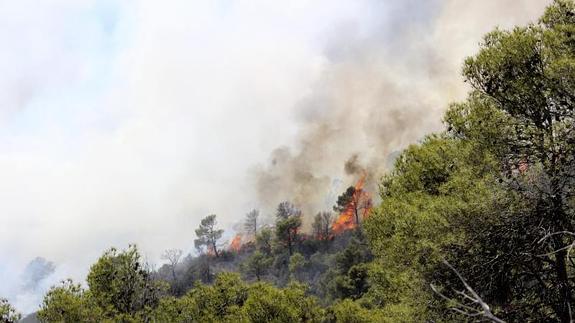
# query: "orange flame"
(236, 243)
(356, 210)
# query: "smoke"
(35, 272)
(385, 86)
(128, 121)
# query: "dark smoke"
(35, 272)
(384, 87)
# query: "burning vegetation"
(353, 207)
(236, 243)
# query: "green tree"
(257, 265)
(286, 209)
(231, 300)
(208, 235)
(527, 76)
(287, 231)
(348, 276)
(119, 283)
(69, 302)
(434, 191)
(8, 313)
(264, 241)
(494, 194)
(349, 311)
(296, 264)
(266, 303)
(220, 302)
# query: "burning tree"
(353, 206)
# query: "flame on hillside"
(356, 210)
(236, 243)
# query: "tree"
(121, 284)
(69, 302)
(219, 302)
(287, 231)
(354, 199)
(351, 312)
(257, 265)
(266, 303)
(208, 235)
(231, 300)
(8, 313)
(120, 289)
(436, 191)
(286, 210)
(296, 263)
(527, 75)
(251, 223)
(321, 225)
(493, 194)
(264, 241)
(173, 257)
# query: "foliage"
(69, 302)
(119, 283)
(286, 209)
(120, 289)
(251, 222)
(264, 241)
(321, 226)
(349, 311)
(494, 194)
(8, 313)
(208, 235)
(287, 231)
(257, 265)
(230, 300)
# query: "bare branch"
(466, 310)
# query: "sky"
(128, 121)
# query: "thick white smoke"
(128, 121)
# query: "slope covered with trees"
(475, 223)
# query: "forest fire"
(236, 243)
(356, 210)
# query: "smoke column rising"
(385, 85)
(128, 121)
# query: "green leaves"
(257, 265)
(208, 235)
(8, 313)
(231, 300)
(120, 289)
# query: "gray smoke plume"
(383, 88)
(35, 272)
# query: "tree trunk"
(215, 249)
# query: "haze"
(128, 121)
